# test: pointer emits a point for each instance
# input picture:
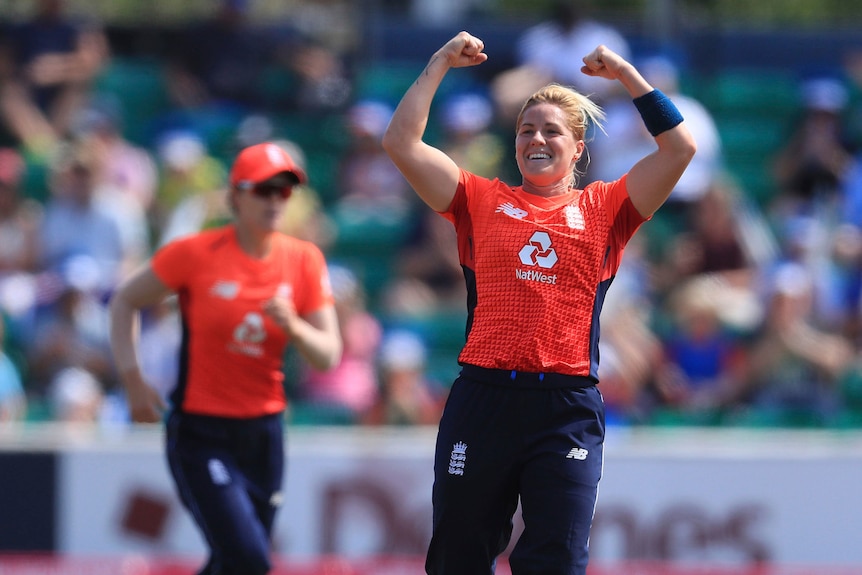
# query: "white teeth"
(539, 157)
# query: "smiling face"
(546, 149)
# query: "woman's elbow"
(681, 155)
(119, 304)
(330, 360)
(686, 146)
(690, 149)
(678, 146)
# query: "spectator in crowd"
(19, 218)
(229, 64)
(48, 65)
(124, 175)
(795, 365)
(371, 187)
(847, 249)
(20, 253)
(316, 51)
(218, 62)
(427, 276)
(407, 396)
(468, 138)
(703, 366)
(715, 243)
(332, 24)
(811, 167)
(548, 52)
(71, 331)
(190, 186)
(126, 170)
(813, 171)
(322, 80)
(715, 240)
(77, 225)
(552, 46)
(345, 392)
(75, 396)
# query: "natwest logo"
(538, 252)
(536, 276)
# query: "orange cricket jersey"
(537, 271)
(232, 353)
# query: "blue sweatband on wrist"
(658, 112)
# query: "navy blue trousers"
(229, 473)
(506, 437)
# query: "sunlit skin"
(546, 151)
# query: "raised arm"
(651, 179)
(431, 173)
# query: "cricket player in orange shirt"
(245, 291)
(524, 421)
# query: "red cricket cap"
(260, 162)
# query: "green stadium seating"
(753, 110)
(139, 85)
(749, 91)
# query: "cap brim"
(295, 174)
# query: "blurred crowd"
(728, 310)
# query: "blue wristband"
(658, 112)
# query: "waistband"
(525, 379)
(237, 422)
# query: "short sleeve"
(316, 289)
(171, 263)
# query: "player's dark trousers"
(228, 473)
(504, 436)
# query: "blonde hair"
(580, 111)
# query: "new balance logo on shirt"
(225, 289)
(511, 211)
(577, 453)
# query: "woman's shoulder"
(602, 189)
(294, 243)
(297, 249)
(485, 188)
(203, 241)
